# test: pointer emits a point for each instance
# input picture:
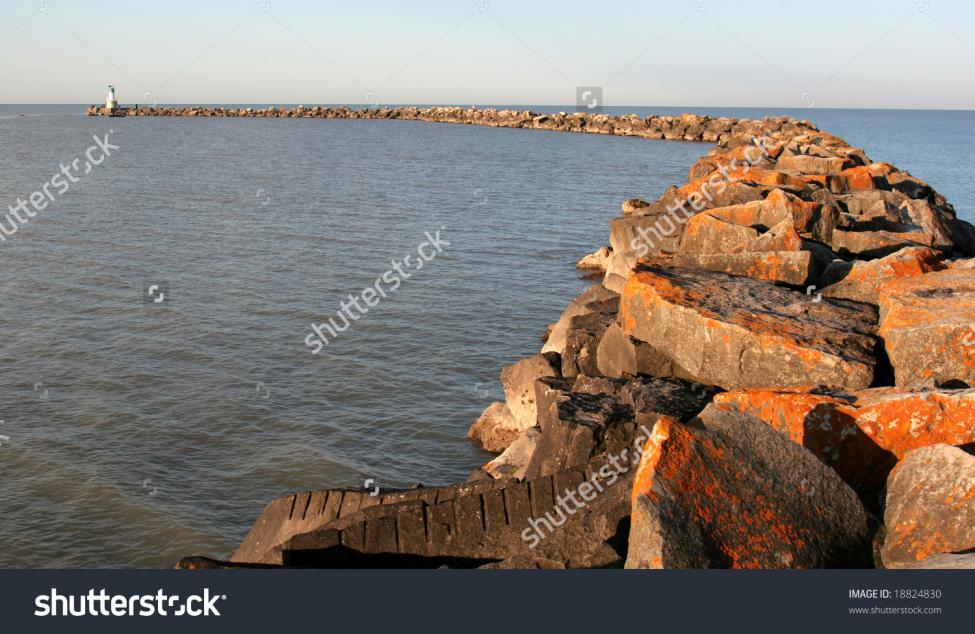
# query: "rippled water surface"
(138, 433)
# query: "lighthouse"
(111, 103)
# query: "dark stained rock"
(598, 385)
(930, 505)
(651, 397)
(291, 515)
(578, 427)
(728, 491)
(578, 306)
(499, 523)
(583, 335)
(739, 332)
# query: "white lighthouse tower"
(111, 103)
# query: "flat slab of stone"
(290, 515)
(795, 268)
(728, 491)
(496, 522)
(930, 505)
(928, 327)
(740, 332)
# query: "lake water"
(140, 432)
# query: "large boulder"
(576, 428)
(795, 268)
(578, 306)
(620, 355)
(518, 381)
(580, 355)
(740, 332)
(728, 491)
(861, 280)
(900, 421)
(860, 434)
(513, 462)
(928, 326)
(930, 505)
(495, 428)
(825, 423)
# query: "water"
(139, 433)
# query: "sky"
(750, 53)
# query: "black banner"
(484, 601)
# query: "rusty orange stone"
(927, 323)
(903, 421)
(824, 423)
(727, 491)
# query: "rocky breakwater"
(776, 370)
(686, 127)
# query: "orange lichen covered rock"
(902, 421)
(875, 244)
(804, 164)
(789, 267)
(740, 332)
(861, 280)
(826, 423)
(728, 491)
(928, 327)
(861, 434)
(930, 505)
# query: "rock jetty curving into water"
(776, 370)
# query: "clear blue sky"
(887, 54)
